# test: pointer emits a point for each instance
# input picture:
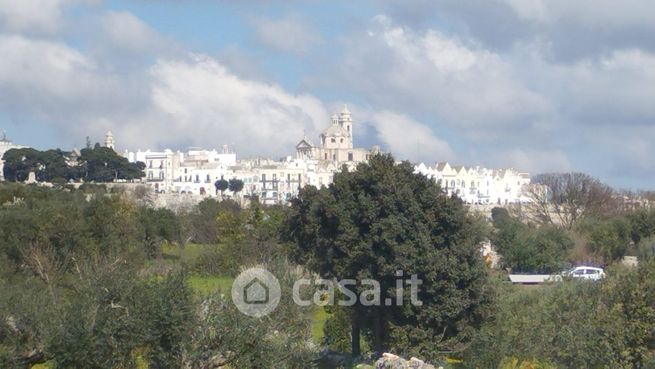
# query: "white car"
(587, 272)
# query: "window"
(341, 140)
(333, 140)
(350, 156)
(325, 156)
(161, 175)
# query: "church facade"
(336, 143)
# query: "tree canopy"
(235, 185)
(98, 164)
(568, 198)
(383, 218)
(530, 249)
(221, 185)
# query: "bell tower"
(109, 140)
(346, 121)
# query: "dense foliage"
(98, 164)
(99, 278)
(383, 218)
(85, 283)
(573, 324)
(530, 249)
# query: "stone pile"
(391, 361)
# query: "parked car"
(587, 272)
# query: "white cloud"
(591, 13)
(30, 15)
(184, 101)
(456, 80)
(532, 160)
(409, 139)
(288, 35)
(125, 31)
(41, 74)
(202, 102)
(616, 89)
(36, 16)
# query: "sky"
(537, 85)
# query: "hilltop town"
(196, 170)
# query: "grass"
(46, 365)
(318, 322)
(191, 251)
(206, 285)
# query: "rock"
(391, 361)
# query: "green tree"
(525, 248)
(48, 166)
(158, 225)
(235, 340)
(103, 164)
(609, 239)
(568, 198)
(235, 185)
(383, 218)
(221, 185)
(572, 324)
(642, 224)
(499, 214)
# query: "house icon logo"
(256, 292)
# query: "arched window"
(333, 140)
(350, 156)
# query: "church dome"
(335, 130)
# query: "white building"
(192, 172)
(273, 182)
(336, 143)
(6, 145)
(477, 185)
